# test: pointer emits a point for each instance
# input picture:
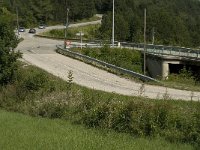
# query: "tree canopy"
(175, 22)
(8, 41)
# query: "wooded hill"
(174, 22)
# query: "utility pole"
(66, 26)
(113, 25)
(81, 39)
(153, 35)
(17, 21)
(145, 26)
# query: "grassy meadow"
(20, 132)
(37, 93)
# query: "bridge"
(163, 60)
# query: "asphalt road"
(40, 52)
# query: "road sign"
(80, 34)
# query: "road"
(40, 52)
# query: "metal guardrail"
(90, 59)
(159, 50)
(166, 50)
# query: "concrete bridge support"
(159, 67)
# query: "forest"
(170, 22)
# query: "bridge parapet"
(166, 50)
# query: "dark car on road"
(32, 31)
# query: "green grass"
(125, 58)
(185, 80)
(93, 18)
(19, 132)
(38, 93)
(90, 32)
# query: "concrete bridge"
(163, 60)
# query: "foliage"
(8, 41)
(90, 32)
(176, 22)
(33, 12)
(177, 121)
(61, 134)
(185, 79)
(125, 58)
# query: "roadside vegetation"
(58, 134)
(93, 18)
(89, 33)
(185, 79)
(125, 58)
(38, 93)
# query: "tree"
(8, 41)
(176, 22)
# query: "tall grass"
(184, 80)
(125, 58)
(37, 93)
(19, 132)
(90, 32)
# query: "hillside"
(172, 22)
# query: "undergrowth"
(37, 93)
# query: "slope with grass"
(20, 132)
(37, 93)
(89, 32)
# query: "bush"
(35, 82)
(176, 121)
(8, 58)
(142, 119)
(125, 58)
(32, 80)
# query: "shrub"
(8, 58)
(176, 121)
(125, 58)
(34, 80)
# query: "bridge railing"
(155, 49)
(165, 50)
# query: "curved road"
(40, 52)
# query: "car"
(41, 26)
(32, 31)
(21, 29)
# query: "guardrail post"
(170, 50)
